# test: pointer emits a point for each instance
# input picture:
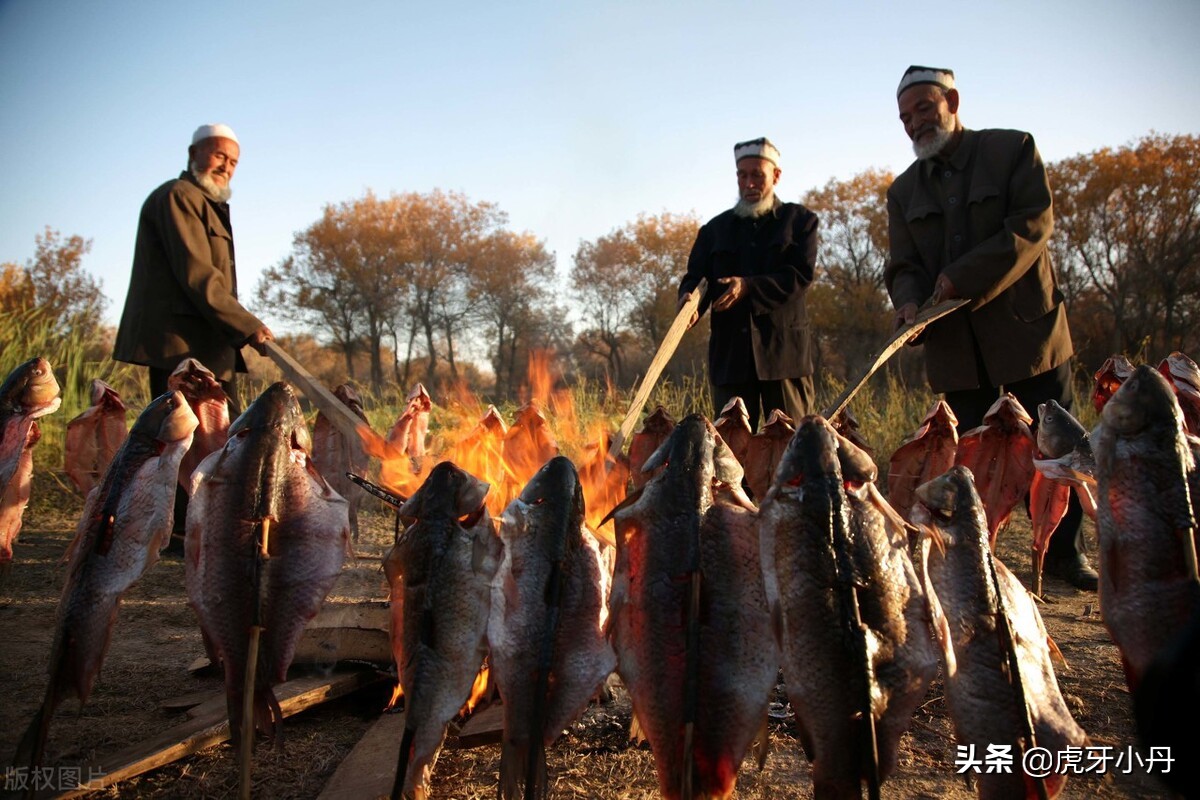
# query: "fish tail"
(32, 748)
(406, 742)
(512, 758)
(268, 716)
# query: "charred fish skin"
(674, 525)
(125, 523)
(806, 511)
(983, 703)
(894, 606)
(28, 393)
(262, 473)
(440, 573)
(1144, 511)
(548, 592)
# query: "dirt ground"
(157, 637)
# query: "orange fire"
(479, 690)
(478, 441)
(397, 693)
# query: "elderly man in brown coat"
(182, 300)
(971, 217)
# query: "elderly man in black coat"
(759, 258)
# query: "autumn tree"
(1127, 241)
(346, 277)
(627, 283)
(444, 231)
(16, 289)
(511, 284)
(849, 309)
(62, 288)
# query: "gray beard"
(219, 193)
(929, 147)
(750, 210)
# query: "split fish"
(211, 407)
(992, 625)
(1108, 379)
(850, 611)
(1146, 520)
(440, 572)
(126, 522)
(926, 454)
(335, 454)
(734, 427)
(655, 430)
(764, 452)
(528, 444)
(263, 473)
(546, 626)
(28, 393)
(999, 454)
(94, 436)
(1184, 377)
(688, 614)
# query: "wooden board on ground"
(186, 702)
(482, 728)
(370, 768)
(213, 727)
(357, 632)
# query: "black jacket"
(764, 336)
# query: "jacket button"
(953, 200)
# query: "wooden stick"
(246, 752)
(665, 350)
(892, 346)
(342, 418)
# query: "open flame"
(506, 456)
(479, 690)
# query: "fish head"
(168, 419)
(269, 434)
(810, 462)
(1058, 432)
(196, 382)
(1145, 398)
(349, 396)
(1179, 368)
(687, 450)
(951, 507)
(735, 409)
(1007, 413)
(493, 422)
(856, 463)
(552, 502)
(419, 399)
(31, 389)
(448, 492)
(660, 422)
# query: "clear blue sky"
(573, 117)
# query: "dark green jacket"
(983, 218)
(182, 298)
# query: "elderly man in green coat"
(971, 217)
(182, 300)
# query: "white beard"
(930, 146)
(219, 193)
(748, 210)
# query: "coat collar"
(958, 159)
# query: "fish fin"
(1056, 655)
(402, 761)
(512, 757)
(762, 744)
(32, 747)
(629, 500)
(635, 730)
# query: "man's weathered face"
(928, 114)
(756, 178)
(215, 158)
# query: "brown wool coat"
(984, 219)
(182, 299)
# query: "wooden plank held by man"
(926, 317)
(670, 342)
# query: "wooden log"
(357, 632)
(369, 769)
(481, 728)
(213, 727)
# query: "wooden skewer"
(246, 751)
